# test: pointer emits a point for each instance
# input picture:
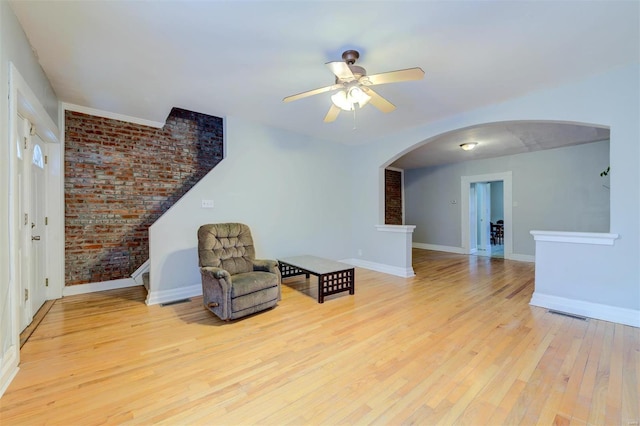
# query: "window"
(38, 158)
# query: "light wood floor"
(458, 344)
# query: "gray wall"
(554, 190)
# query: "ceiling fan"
(354, 86)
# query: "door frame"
(32, 209)
(23, 101)
(507, 201)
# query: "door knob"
(35, 238)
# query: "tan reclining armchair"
(234, 283)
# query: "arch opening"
(557, 181)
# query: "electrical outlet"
(207, 204)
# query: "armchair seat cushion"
(251, 282)
(254, 302)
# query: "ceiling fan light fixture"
(468, 146)
(341, 100)
(357, 95)
(348, 98)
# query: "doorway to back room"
(487, 218)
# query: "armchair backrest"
(226, 245)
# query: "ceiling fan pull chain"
(354, 118)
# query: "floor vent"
(564, 314)
(175, 302)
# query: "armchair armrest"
(266, 265)
(213, 272)
(216, 290)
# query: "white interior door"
(31, 199)
(37, 285)
(483, 193)
(473, 223)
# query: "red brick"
(120, 178)
(393, 197)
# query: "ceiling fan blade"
(341, 70)
(378, 101)
(312, 92)
(393, 76)
(332, 114)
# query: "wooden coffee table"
(333, 277)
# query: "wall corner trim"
(595, 238)
(403, 229)
(112, 115)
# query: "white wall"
(292, 192)
(610, 99)
(557, 189)
(14, 48)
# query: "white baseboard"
(521, 257)
(587, 309)
(448, 249)
(72, 290)
(381, 267)
(155, 297)
(460, 250)
(9, 368)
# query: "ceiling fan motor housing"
(357, 71)
(350, 56)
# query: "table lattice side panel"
(337, 282)
(287, 270)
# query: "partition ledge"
(596, 238)
(404, 229)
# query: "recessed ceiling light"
(468, 146)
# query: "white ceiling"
(240, 58)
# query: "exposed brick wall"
(392, 197)
(121, 177)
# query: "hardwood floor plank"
(631, 377)
(570, 395)
(457, 344)
(586, 394)
(613, 402)
(598, 403)
(566, 355)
